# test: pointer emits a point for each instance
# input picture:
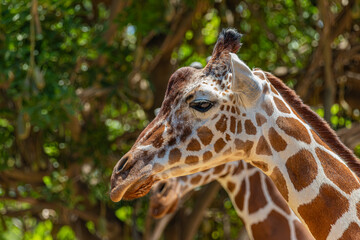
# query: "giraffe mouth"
(136, 189)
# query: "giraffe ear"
(244, 81)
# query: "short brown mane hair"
(319, 125)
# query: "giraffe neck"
(314, 180)
(257, 202)
(189, 182)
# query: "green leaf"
(335, 109)
(124, 214)
(65, 233)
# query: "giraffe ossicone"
(204, 123)
(257, 202)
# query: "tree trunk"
(204, 200)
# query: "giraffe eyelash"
(201, 105)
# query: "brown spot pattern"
(155, 138)
(249, 166)
(158, 167)
(294, 128)
(276, 141)
(193, 145)
(245, 146)
(267, 106)
(219, 145)
(161, 153)
(239, 127)
(275, 226)
(191, 160)
(358, 209)
(326, 208)
(276, 196)
(221, 123)
(230, 186)
(228, 137)
(215, 116)
(318, 140)
(352, 232)
(206, 179)
(240, 196)
(219, 169)
(260, 119)
(172, 141)
(295, 112)
(273, 89)
(337, 172)
(301, 231)
(185, 134)
(174, 156)
(238, 169)
(302, 169)
(266, 89)
(207, 156)
(257, 199)
(249, 127)
(158, 142)
(263, 147)
(281, 105)
(261, 165)
(184, 178)
(228, 151)
(280, 183)
(232, 124)
(205, 135)
(196, 179)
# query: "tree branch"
(204, 200)
(329, 83)
(25, 176)
(338, 26)
(86, 215)
(160, 226)
(115, 8)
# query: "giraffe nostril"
(121, 164)
(162, 188)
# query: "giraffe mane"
(319, 125)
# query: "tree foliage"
(79, 80)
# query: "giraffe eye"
(201, 105)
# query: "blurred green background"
(79, 80)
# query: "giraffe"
(263, 210)
(226, 111)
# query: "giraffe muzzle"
(130, 179)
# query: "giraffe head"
(200, 123)
(165, 196)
